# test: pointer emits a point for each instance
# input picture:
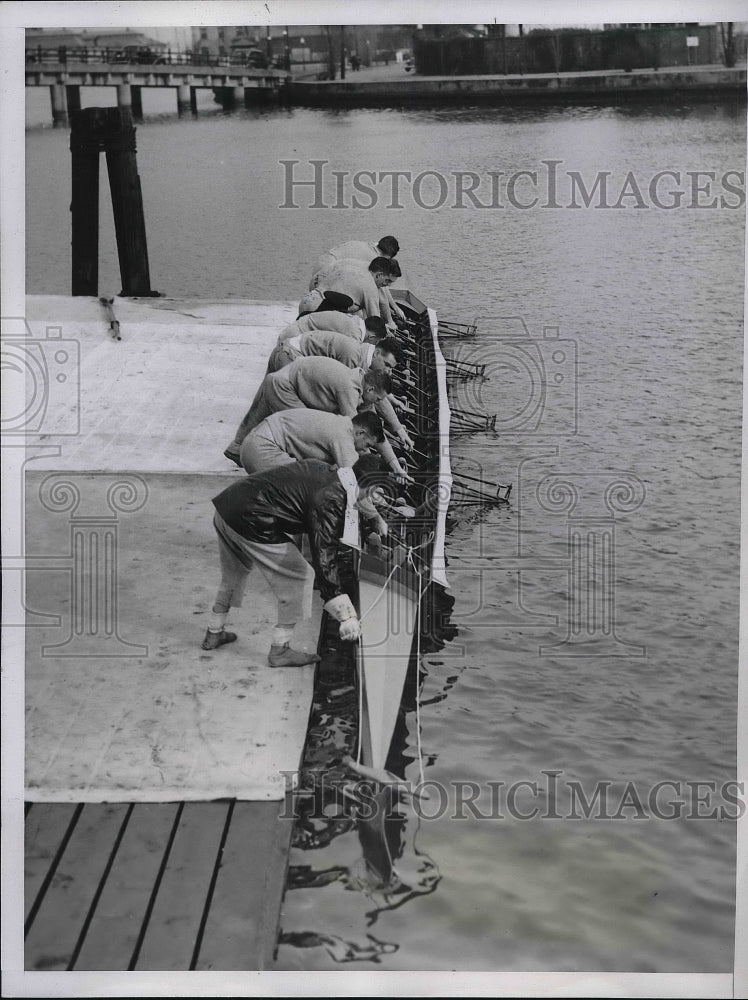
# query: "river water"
(612, 338)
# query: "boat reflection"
(339, 800)
(337, 948)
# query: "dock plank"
(113, 935)
(54, 933)
(45, 828)
(175, 921)
(242, 925)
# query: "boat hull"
(391, 590)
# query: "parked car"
(254, 58)
(141, 54)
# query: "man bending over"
(255, 519)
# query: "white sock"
(282, 635)
(217, 620)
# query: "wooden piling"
(73, 95)
(84, 206)
(193, 100)
(137, 103)
(108, 130)
(127, 204)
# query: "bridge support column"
(137, 103)
(193, 100)
(73, 94)
(183, 99)
(124, 95)
(59, 104)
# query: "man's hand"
(379, 525)
(402, 476)
(350, 630)
(403, 405)
(342, 610)
(405, 439)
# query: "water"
(648, 306)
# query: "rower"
(319, 383)
(356, 279)
(290, 435)
(387, 246)
(254, 518)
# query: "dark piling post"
(127, 203)
(137, 103)
(108, 130)
(73, 98)
(193, 100)
(84, 150)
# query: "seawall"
(608, 87)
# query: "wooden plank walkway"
(154, 886)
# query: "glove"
(341, 609)
(350, 630)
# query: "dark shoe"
(284, 656)
(233, 456)
(213, 640)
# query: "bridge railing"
(137, 57)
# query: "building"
(461, 49)
(157, 39)
(306, 49)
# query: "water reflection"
(370, 816)
(386, 828)
(339, 950)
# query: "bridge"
(233, 79)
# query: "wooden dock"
(160, 778)
(153, 886)
(155, 836)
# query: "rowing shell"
(389, 596)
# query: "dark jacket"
(303, 497)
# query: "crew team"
(314, 447)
